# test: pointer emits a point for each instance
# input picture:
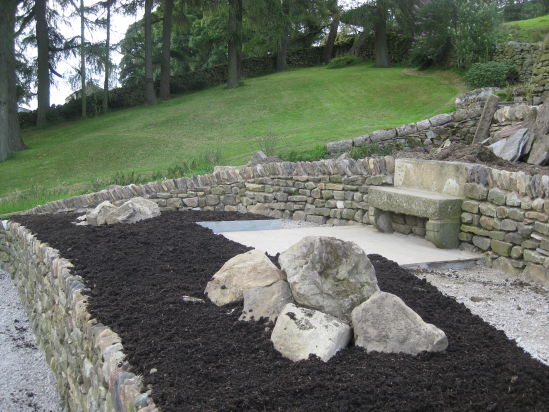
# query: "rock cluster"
(132, 211)
(335, 286)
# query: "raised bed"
(200, 357)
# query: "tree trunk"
(107, 63)
(166, 48)
(10, 139)
(358, 43)
(282, 55)
(150, 96)
(330, 41)
(380, 28)
(83, 92)
(43, 74)
(235, 43)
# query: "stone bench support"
(442, 211)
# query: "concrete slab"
(403, 249)
(241, 225)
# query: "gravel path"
(519, 309)
(26, 382)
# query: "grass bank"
(297, 109)
(531, 30)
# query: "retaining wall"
(86, 357)
(523, 57)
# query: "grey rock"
(329, 275)
(133, 211)
(339, 146)
(440, 119)
(384, 323)
(266, 302)
(98, 216)
(483, 127)
(511, 148)
(380, 135)
(245, 271)
(301, 332)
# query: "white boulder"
(266, 302)
(384, 323)
(249, 270)
(329, 275)
(98, 216)
(300, 332)
(132, 211)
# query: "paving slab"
(403, 249)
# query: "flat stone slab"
(415, 202)
(242, 225)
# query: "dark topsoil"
(207, 360)
(476, 153)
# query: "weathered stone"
(132, 211)
(512, 148)
(505, 265)
(245, 271)
(380, 135)
(488, 209)
(489, 223)
(516, 214)
(497, 196)
(191, 202)
(174, 203)
(513, 200)
(542, 228)
(501, 248)
(539, 154)
(536, 273)
(98, 216)
(476, 191)
(533, 257)
(329, 274)
(266, 302)
(482, 243)
(340, 146)
(470, 206)
(384, 323)
(440, 120)
(540, 217)
(514, 237)
(300, 332)
(382, 221)
(483, 126)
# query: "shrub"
(491, 74)
(343, 61)
(316, 153)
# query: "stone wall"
(540, 74)
(86, 356)
(522, 56)
(506, 216)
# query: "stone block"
(501, 248)
(497, 196)
(327, 194)
(487, 209)
(502, 212)
(508, 225)
(481, 242)
(298, 198)
(540, 217)
(516, 252)
(516, 214)
(505, 265)
(319, 220)
(534, 257)
(514, 237)
(489, 223)
(443, 233)
(470, 206)
(536, 273)
(542, 228)
(476, 191)
(465, 237)
(513, 200)
(339, 195)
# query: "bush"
(343, 61)
(491, 74)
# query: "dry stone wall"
(506, 216)
(522, 56)
(86, 356)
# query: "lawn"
(531, 30)
(300, 108)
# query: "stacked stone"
(540, 74)
(406, 224)
(522, 56)
(319, 199)
(86, 357)
(457, 126)
(506, 215)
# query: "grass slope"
(302, 108)
(531, 30)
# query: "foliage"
(520, 10)
(298, 105)
(268, 143)
(343, 61)
(463, 29)
(491, 74)
(318, 152)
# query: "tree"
(234, 46)
(83, 91)
(107, 5)
(10, 138)
(332, 35)
(43, 73)
(150, 94)
(165, 72)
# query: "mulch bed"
(207, 360)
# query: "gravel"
(520, 309)
(26, 382)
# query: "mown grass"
(299, 110)
(531, 30)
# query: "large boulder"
(266, 302)
(98, 216)
(133, 211)
(329, 275)
(384, 323)
(300, 332)
(249, 270)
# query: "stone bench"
(442, 211)
(427, 189)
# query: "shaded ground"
(26, 382)
(200, 357)
(476, 153)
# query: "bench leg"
(443, 233)
(381, 220)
